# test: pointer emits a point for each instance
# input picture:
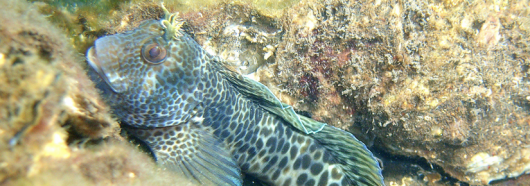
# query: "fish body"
(212, 124)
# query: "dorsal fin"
(261, 94)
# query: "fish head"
(150, 75)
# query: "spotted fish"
(205, 121)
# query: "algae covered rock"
(48, 107)
(444, 81)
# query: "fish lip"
(97, 66)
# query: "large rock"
(447, 81)
(49, 107)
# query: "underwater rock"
(49, 109)
(447, 82)
(236, 33)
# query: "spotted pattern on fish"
(210, 123)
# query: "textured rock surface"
(444, 81)
(49, 107)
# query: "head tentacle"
(172, 24)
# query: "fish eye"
(154, 53)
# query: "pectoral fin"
(193, 153)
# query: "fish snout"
(100, 60)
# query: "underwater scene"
(265, 92)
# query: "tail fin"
(355, 159)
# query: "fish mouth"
(107, 69)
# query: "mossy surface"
(49, 108)
(444, 81)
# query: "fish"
(202, 119)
